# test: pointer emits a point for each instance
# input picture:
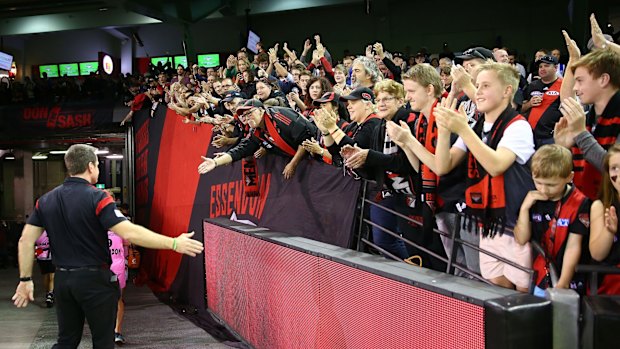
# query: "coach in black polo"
(77, 217)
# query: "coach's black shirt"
(77, 216)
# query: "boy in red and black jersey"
(557, 216)
(541, 104)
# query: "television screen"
(209, 60)
(69, 69)
(156, 60)
(253, 39)
(5, 61)
(182, 60)
(51, 70)
(88, 67)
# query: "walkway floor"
(148, 322)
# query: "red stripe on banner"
(103, 203)
(176, 182)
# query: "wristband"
(174, 244)
(215, 162)
(325, 133)
(24, 279)
(334, 131)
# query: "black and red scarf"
(485, 196)
(426, 133)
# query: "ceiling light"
(114, 156)
(9, 158)
(99, 152)
(39, 157)
(57, 152)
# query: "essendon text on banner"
(228, 197)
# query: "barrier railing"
(452, 236)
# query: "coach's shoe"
(49, 299)
(118, 338)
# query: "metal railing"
(451, 264)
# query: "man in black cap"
(277, 129)
(541, 105)
(464, 77)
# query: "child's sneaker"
(49, 299)
(118, 338)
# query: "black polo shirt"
(77, 216)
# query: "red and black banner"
(171, 197)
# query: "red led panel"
(276, 297)
(267, 293)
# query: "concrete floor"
(148, 322)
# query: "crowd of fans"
(476, 145)
(499, 155)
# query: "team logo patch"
(563, 222)
(476, 198)
(584, 218)
(547, 217)
(537, 217)
(366, 96)
(552, 93)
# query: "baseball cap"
(591, 41)
(548, 59)
(327, 97)
(360, 93)
(230, 95)
(397, 54)
(249, 104)
(477, 52)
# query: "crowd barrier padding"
(280, 291)
(601, 320)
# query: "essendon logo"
(230, 197)
(56, 118)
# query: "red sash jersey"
(284, 131)
(552, 222)
(77, 217)
(542, 118)
(605, 129)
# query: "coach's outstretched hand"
(186, 245)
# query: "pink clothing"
(42, 248)
(118, 252)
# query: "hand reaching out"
(206, 166)
(186, 245)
